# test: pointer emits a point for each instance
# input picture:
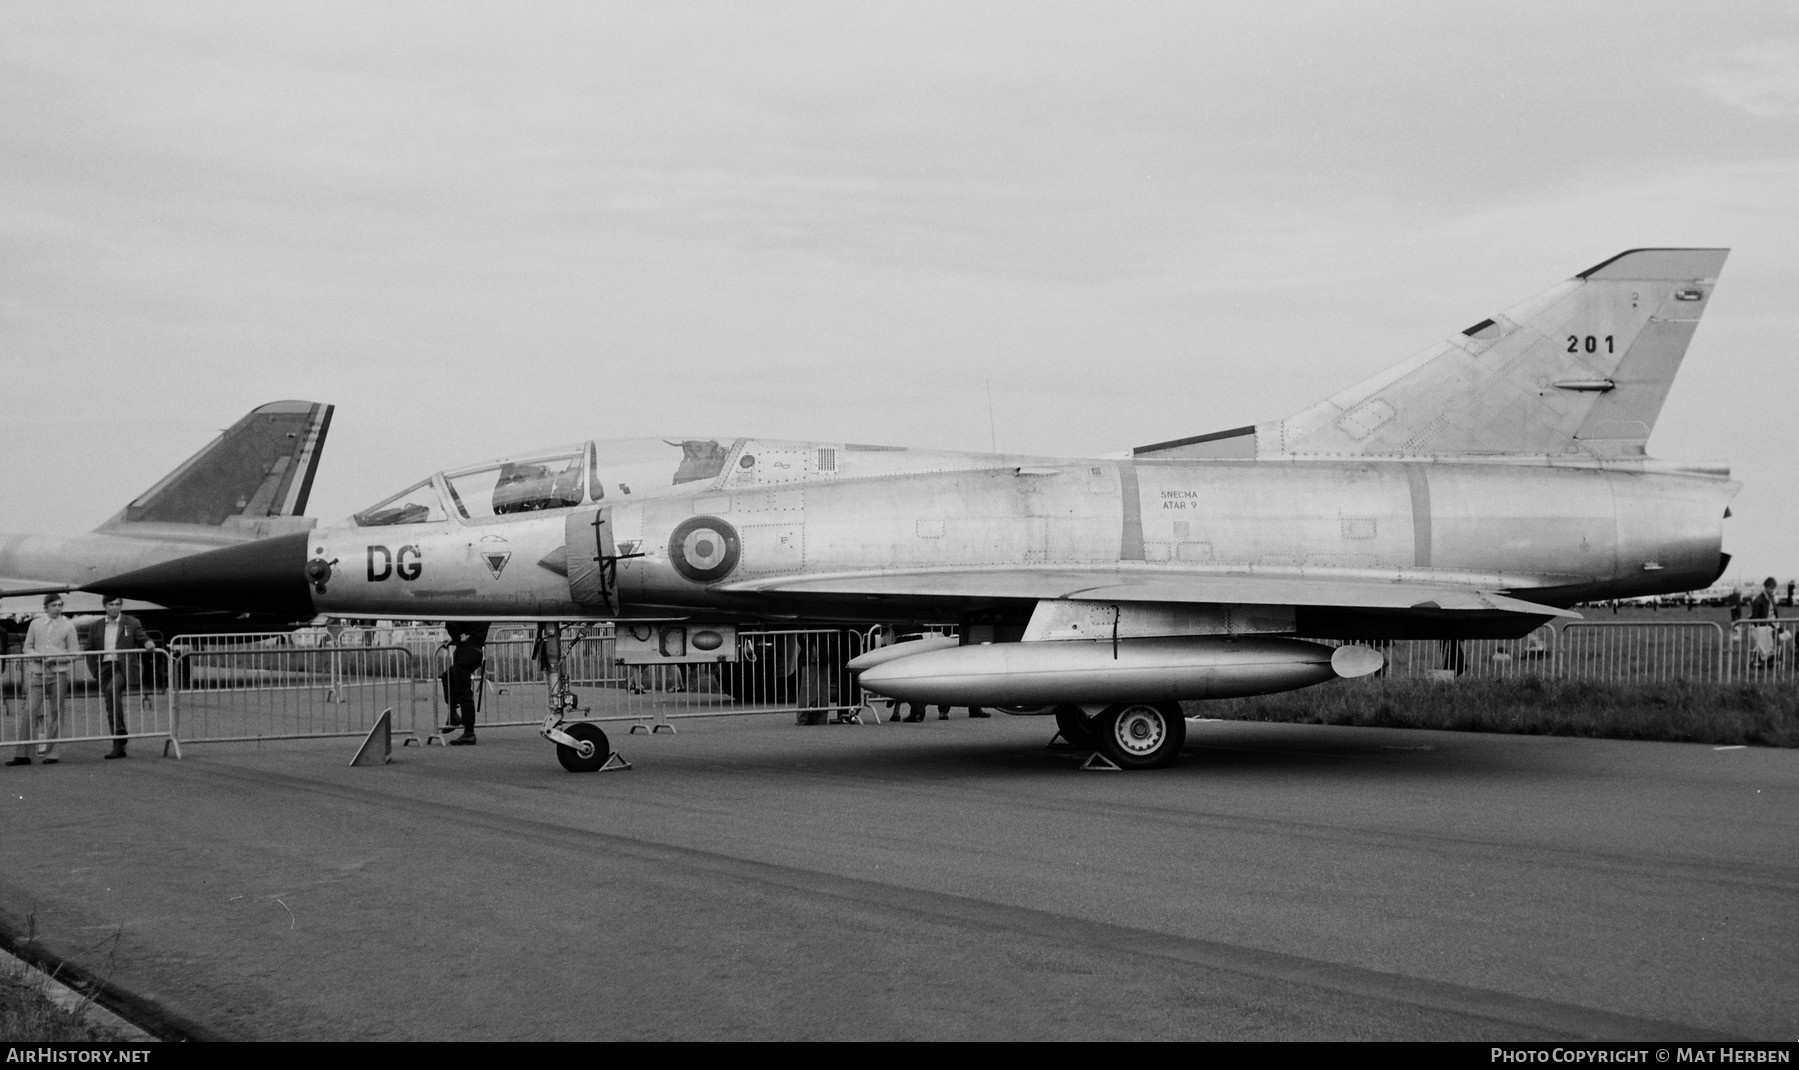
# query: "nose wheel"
(589, 751)
(581, 746)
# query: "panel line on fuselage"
(1418, 478)
(1130, 534)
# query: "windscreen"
(417, 504)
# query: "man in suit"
(107, 641)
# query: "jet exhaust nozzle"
(265, 576)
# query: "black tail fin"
(259, 469)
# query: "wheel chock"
(378, 747)
(614, 764)
(1099, 763)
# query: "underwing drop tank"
(1129, 670)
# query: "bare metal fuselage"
(923, 544)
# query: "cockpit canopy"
(553, 479)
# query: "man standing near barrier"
(1763, 608)
(106, 640)
(52, 638)
(467, 640)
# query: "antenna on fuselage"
(992, 435)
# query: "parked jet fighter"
(249, 483)
(1473, 490)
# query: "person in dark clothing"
(1455, 659)
(1763, 636)
(109, 640)
(1762, 606)
(467, 640)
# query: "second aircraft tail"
(247, 481)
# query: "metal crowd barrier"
(1641, 652)
(265, 693)
(419, 640)
(1761, 651)
(1625, 652)
(320, 684)
(1481, 659)
(65, 699)
(792, 671)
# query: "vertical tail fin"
(1581, 369)
(258, 469)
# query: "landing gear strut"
(1076, 727)
(581, 746)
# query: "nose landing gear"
(581, 746)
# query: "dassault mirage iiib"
(1474, 490)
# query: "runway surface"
(947, 880)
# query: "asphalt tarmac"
(750, 879)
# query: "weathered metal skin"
(1554, 535)
(1562, 534)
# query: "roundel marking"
(703, 548)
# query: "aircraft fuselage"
(1553, 533)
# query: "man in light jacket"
(52, 639)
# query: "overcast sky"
(480, 228)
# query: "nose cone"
(266, 576)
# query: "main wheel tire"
(1141, 735)
(1077, 728)
(592, 752)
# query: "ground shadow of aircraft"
(1474, 490)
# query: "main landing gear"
(1130, 735)
(581, 746)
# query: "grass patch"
(1673, 712)
(28, 1015)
